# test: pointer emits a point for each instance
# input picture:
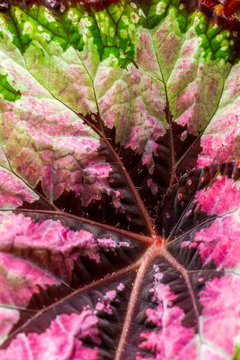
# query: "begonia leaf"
(119, 180)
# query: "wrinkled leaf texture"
(119, 180)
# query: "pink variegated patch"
(62, 340)
(220, 242)
(19, 280)
(65, 245)
(170, 339)
(220, 198)
(13, 191)
(221, 311)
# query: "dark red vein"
(139, 201)
(143, 268)
(157, 249)
(148, 220)
(185, 276)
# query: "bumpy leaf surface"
(119, 180)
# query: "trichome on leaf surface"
(119, 180)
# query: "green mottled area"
(94, 31)
(47, 27)
(20, 39)
(113, 30)
(70, 22)
(7, 91)
(37, 25)
(156, 11)
(217, 43)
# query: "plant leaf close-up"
(119, 180)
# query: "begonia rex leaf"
(119, 180)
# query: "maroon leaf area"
(109, 293)
(151, 184)
(98, 315)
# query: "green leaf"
(7, 91)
